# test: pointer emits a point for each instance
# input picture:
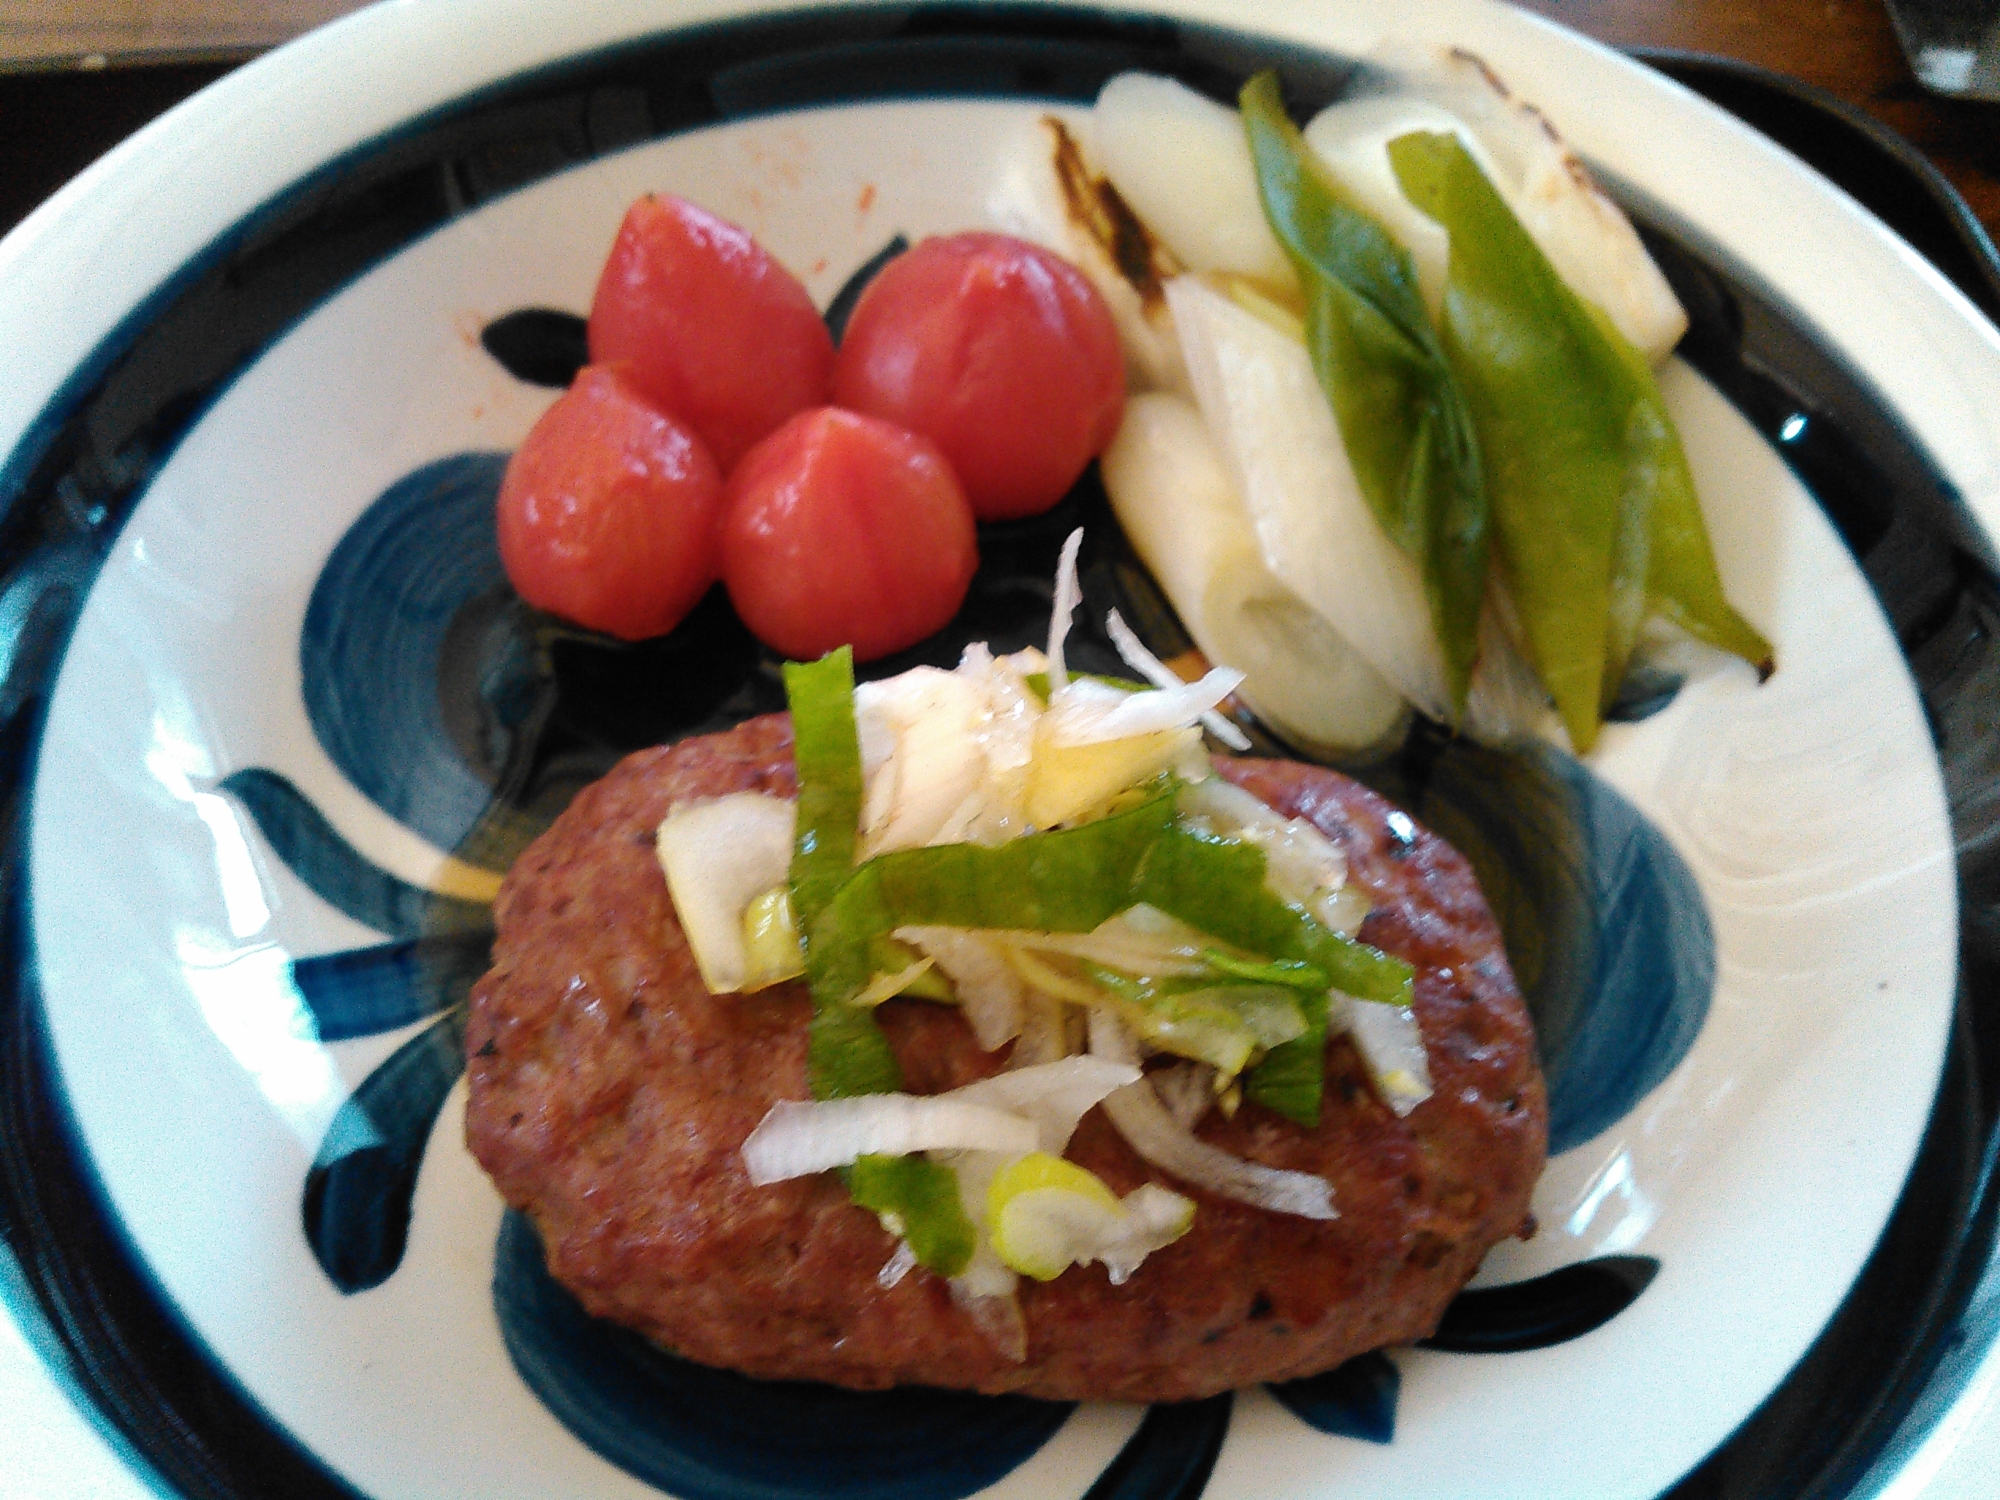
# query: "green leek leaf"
(1069, 880)
(1682, 583)
(846, 1053)
(827, 751)
(1218, 888)
(1288, 972)
(1593, 508)
(921, 1199)
(1407, 426)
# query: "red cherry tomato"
(608, 511)
(711, 327)
(999, 352)
(841, 529)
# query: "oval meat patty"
(611, 1094)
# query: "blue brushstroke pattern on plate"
(77, 474)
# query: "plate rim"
(99, 192)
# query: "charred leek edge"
(1592, 501)
(1406, 424)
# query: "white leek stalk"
(1072, 208)
(1351, 139)
(1173, 493)
(1586, 236)
(1260, 398)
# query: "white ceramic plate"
(254, 321)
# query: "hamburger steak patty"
(610, 1094)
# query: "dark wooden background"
(1847, 47)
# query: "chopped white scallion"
(1045, 979)
(1010, 1114)
(996, 1314)
(1392, 1045)
(897, 1266)
(1068, 594)
(1055, 1095)
(797, 1138)
(988, 991)
(1157, 672)
(1087, 712)
(888, 986)
(1117, 945)
(1156, 1217)
(1005, 736)
(1154, 1134)
(719, 855)
(1109, 1039)
(1187, 1090)
(1045, 1033)
(922, 757)
(1045, 1215)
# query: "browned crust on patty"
(611, 1095)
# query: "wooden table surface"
(52, 124)
(1847, 47)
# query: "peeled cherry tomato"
(710, 327)
(998, 351)
(841, 529)
(608, 511)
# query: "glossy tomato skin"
(709, 325)
(998, 351)
(608, 511)
(842, 529)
